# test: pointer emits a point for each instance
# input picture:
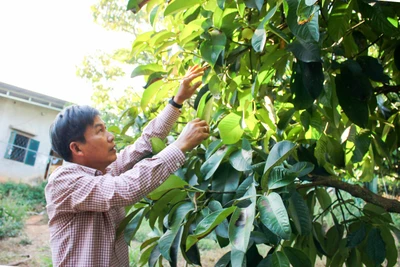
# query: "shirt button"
(160, 182)
(178, 164)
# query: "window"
(21, 148)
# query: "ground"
(31, 248)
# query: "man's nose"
(110, 137)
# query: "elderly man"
(87, 195)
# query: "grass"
(16, 200)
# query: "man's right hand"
(192, 135)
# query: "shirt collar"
(86, 169)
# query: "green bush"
(16, 199)
(12, 216)
(25, 194)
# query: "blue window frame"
(22, 148)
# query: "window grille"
(21, 148)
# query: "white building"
(25, 119)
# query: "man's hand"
(186, 90)
(192, 135)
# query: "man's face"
(99, 148)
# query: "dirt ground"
(30, 248)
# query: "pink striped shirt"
(85, 206)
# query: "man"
(86, 197)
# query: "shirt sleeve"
(158, 127)
(100, 193)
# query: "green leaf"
(230, 129)
(157, 145)
(306, 83)
(376, 250)
(205, 107)
(354, 90)
(207, 225)
(211, 165)
(172, 182)
(279, 259)
(260, 36)
(178, 213)
(146, 70)
(214, 146)
(373, 69)
(302, 168)
(166, 240)
(297, 257)
(254, 4)
(339, 19)
(279, 152)
(355, 238)
(135, 5)
(240, 228)
(308, 31)
(144, 258)
(150, 93)
(280, 177)
(390, 246)
(226, 179)
(180, 5)
(154, 256)
(354, 259)
(133, 226)
(274, 216)
(323, 198)
(305, 51)
(122, 225)
(241, 159)
(300, 214)
(224, 260)
(377, 18)
(396, 57)
(211, 49)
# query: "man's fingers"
(196, 85)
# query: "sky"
(42, 42)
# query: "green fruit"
(247, 33)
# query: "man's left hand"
(186, 90)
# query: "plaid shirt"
(85, 206)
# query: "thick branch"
(390, 205)
(387, 89)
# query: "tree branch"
(390, 205)
(387, 89)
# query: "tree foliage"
(302, 95)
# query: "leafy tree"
(301, 96)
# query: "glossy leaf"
(172, 182)
(274, 216)
(280, 177)
(376, 250)
(297, 257)
(230, 128)
(279, 152)
(133, 226)
(157, 145)
(207, 225)
(179, 5)
(300, 214)
(211, 165)
(226, 179)
(240, 227)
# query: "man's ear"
(75, 149)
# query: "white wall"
(32, 119)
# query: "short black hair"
(69, 126)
